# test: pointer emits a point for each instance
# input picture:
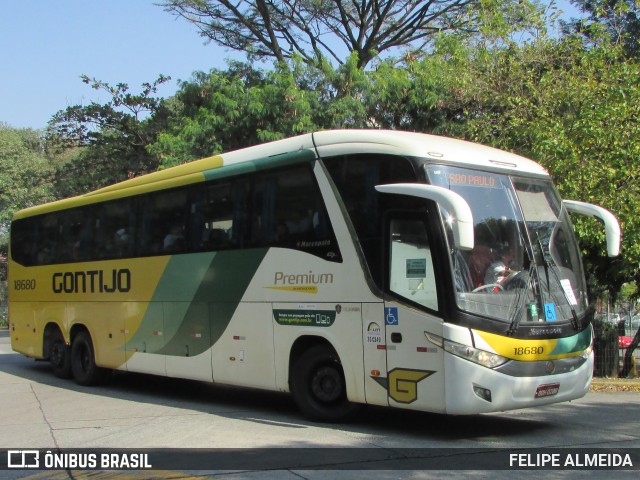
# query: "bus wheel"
(83, 361)
(318, 386)
(60, 356)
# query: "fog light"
(483, 393)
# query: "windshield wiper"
(521, 296)
(550, 266)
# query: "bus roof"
(322, 143)
(434, 147)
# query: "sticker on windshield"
(416, 267)
(566, 286)
(550, 312)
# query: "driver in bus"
(499, 270)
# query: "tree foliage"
(571, 108)
(25, 172)
(321, 30)
(226, 110)
(25, 178)
(110, 140)
(619, 18)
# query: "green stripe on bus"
(200, 294)
(575, 343)
(290, 158)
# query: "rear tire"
(60, 356)
(318, 386)
(83, 361)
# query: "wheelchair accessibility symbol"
(391, 315)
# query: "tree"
(25, 178)
(242, 106)
(109, 140)
(317, 30)
(571, 108)
(619, 18)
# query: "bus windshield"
(525, 265)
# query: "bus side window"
(48, 233)
(78, 235)
(289, 212)
(23, 246)
(214, 222)
(356, 176)
(411, 273)
(163, 226)
(115, 223)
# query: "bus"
(345, 267)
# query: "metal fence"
(613, 335)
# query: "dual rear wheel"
(77, 361)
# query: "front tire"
(83, 361)
(318, 386)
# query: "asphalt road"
(40, 411)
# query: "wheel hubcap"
(327, 384)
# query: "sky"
(46, 45)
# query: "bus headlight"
(587, 353)
(475, 355)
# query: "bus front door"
(415, 377)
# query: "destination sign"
(474, 180)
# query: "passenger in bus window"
(174, 239)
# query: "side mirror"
(611, 225)
(461, 218)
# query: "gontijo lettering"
(92, 281)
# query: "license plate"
(547, 390)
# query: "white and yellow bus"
(346, 267)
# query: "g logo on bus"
(402, 383)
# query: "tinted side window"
(217, 216)
(78, 243)
(279, 208)
(114, 229)
(24, 248)
(163, 222)
(356, 176)
(289, 212)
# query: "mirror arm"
(611, 225)
(460, 213)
